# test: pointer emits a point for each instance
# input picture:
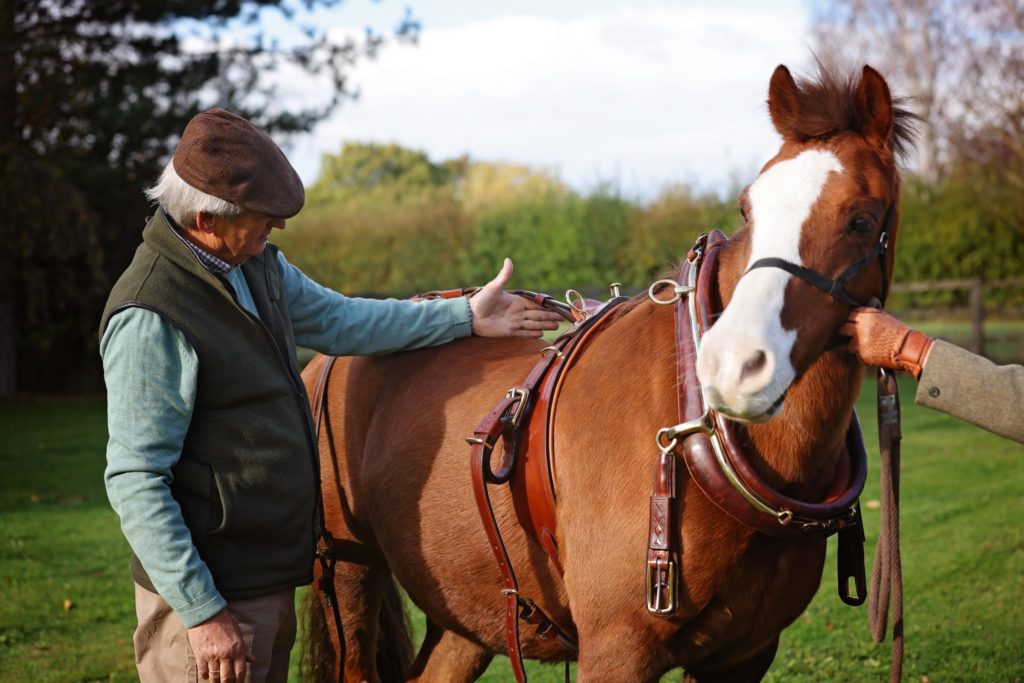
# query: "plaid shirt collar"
(209, 261)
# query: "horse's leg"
(445, 657)
(751, 669)
(360, 591)
(371, 609)
(618, 654)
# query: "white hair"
(182, 201)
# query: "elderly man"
(211, 463)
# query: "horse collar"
(710, 447)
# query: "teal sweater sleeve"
(150, 371)
(342, 326)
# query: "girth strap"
(325, 551)
(503, 421)
(507, 420)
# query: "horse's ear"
(784, 102)
(874, 105)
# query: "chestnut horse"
(395, 469)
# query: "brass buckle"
(656, 602)
(521, 394)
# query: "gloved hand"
(879, 339)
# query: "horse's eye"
(861, 226)
(743, 213)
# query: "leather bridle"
(836, 287)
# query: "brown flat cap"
(224, 155)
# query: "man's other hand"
(221, 653)
(496, 313)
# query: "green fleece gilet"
(247, 481)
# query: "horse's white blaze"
(744, 361)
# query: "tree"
(961, 61)
(376, 173)
(93, 94)
(963, 64)
(488, 184)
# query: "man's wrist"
(914, 352)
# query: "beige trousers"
(162, 651)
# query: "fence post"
(977, 306)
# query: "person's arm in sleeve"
(330, 322)
(150, 371)
(950, 379)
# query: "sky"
(640, 94)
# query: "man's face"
(243, 237)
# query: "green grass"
(963, 559)
(60, 541)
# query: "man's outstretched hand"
(496, 313)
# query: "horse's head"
(822, 211)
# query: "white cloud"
(639, 96)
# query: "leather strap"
(568, 312)
(325, 549)
(509, 420)
(503, 421)
(533, 488)
(836, 288)
(662, 553)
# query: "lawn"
(66, 610)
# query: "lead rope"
(887, 572)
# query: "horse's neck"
(798, 450)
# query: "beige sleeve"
(974, 389)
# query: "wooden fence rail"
(975, 300)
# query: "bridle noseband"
(836, 288)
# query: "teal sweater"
(150, 371)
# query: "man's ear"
(205, 222)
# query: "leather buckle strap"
(662, 557)
(531, 613)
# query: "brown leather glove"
(879, 339)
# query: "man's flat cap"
(224, 155)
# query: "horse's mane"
(828, 106)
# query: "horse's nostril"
(754, 365)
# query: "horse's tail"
(394, 639)
(316, 664)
